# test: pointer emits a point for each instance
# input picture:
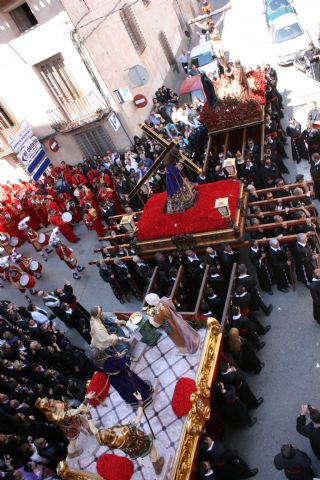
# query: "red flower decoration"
(113, 467)
(232, 111)
(181, 396)
(100, 385)
(202, 217)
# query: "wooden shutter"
(167, 48)
(131, 24)
(6, 120)
(58, 80)
(95, 141)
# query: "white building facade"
(63, 64)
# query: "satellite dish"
(138, 75)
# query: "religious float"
(184, 217)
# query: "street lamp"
(128, 223)
(222, 205)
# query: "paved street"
(292, 360)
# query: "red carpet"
(202, 217)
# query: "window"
(288, 33)
(131, 24)
(23, 17)
(167, 48)
(94, 141)
(58, 80)
(6, 119)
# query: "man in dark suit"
(253, 151)
(246, 327)
(227, 463)
(294, 462)
(230, 375)
(143, 271)
(228, 257)
(205, 472)
(280, 265)
(314, 288)
(215, 302)
(216, 281)
(211, 257)
(53, 452)
(304, 259)
(250, 284)
(312, 430)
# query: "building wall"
(21, 88)
(109, 45)
(110, 52)
(11, 170)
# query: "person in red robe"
(4, 242)
(93, 222)
(27, 264)
(78, 179)
(55, 218)
(10, 225)
(86, 196)
(38, 241)
(12, 274)
(21, 210)
(93, 176)
(66, 254)
(36, 204)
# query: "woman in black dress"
(298, 147)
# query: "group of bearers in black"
(233, 398)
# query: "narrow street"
(292, 359)
(292, 353)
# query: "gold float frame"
(183, 467)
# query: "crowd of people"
(38, 360)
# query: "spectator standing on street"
(312, 430)
(313, 55)
(315, 173)
(314, 113)
(184, 59)
(227, 463)
(315, 294)
(294, 462)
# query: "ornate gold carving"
(200, 410)
(67, 473)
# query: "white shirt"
(184, 57)
(39, 317)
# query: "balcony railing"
(73, 114)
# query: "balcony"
(5, 136)
(74, 114)
(8, 5)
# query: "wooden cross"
(205, 16)
(168, 146)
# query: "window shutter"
(6, 120)
(167, 49)
(58, 80)
(95, 141)
(131, 24)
